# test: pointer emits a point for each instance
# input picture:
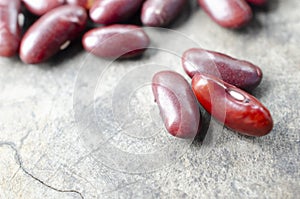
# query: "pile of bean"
(61, 21)
(219, 83)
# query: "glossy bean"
(111, 11)
(87, 4)
(232, 106)
(240, 73)
(46, 36)
(177, 104)
(227, 13)
(116, 41)
(160, 13)
(40, 7)
(10, 29)
(257, 2)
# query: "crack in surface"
(24, 138)
(20, 163)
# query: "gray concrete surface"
(77, 127)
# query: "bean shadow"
(204, 126)
(264, 87)
(255, 25)
(271, 6)
(74, 48)
(189, 8)
(187, 11)
(135, 20)
(29, 19)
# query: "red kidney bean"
(160, 13)
(112, 11)
(240, 73)
(257, 2)
(227, 13)
(115, 41)
(46, 36)
(177, 104)
(87, 4)
(40, 7)
(238, 110)
(10, 29)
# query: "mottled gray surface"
(99, 136)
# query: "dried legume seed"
(238, 110)
(160, 13)
(46, 36)
(111, 11)
(40, 7)
(10, 29)
(177, 104)
(227, 13)
(240, 73)
(116, 41)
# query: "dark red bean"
(227, 13)
(160, 13)
(46, 36)
(240, 73)
(112, 11)
(10, 30)
(116, 40)
(177, 104)
(40, 7)
(236, 108)
(257, 2)
(87, 4)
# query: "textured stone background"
(43, 148)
